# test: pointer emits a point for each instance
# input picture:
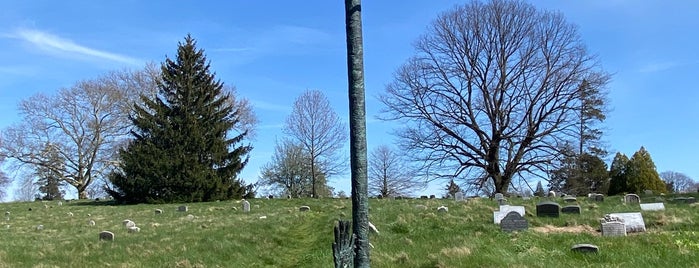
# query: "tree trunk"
(358, 151)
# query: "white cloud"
(64, 46)
(264, 105)
(658, 66)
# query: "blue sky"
(272, 51)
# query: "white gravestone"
(633, 221)
(246, 206)
(459, 196)
(499, 215)
(652, 206)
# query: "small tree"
(539, 190)
(390, 175)
(452, 188)
(49, 181)
(642, 175)
(618, 174)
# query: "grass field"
(409, 236)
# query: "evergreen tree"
(452, 188)
(49, 181)
(618, 174)
(184, 149)
(592, 112)
(539, 190)
(642, 175)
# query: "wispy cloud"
(53, 43)
(264, 105)
(659, 66)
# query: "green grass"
(221, 236)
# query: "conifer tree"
(539, 190)
(184, 149)
(618, 175)
(641, 174)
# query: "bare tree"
(390, 174)
(315, 126)
(680, 181)
(85, 124)
(288, 170)
(493, 87)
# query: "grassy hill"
(276, 234)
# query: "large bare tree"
(315, 126)
(85, 124)
(681, 183)
(390, 174)
(492, 89)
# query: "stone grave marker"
(569, 199)
(443, 209)
(158, 211)
(459, 196)
(596, 197)
(107, 236)
(685, 200)
(585, 248)
(632, 199)
(183, 209)
(246, 206)
(502, 202)
(432, 196)
(513, 221)
(548, 209)
(499, 215)
(633, 221)
(133, 229)
(571, 209)
(499, 196)
(652, 206)
(613, 228)
(304, 208)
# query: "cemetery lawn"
(409, 236)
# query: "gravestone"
(158, 211)
(585, 248)
(499, 196)
(685, 200)
(648, 192)
(613, 228)
(526, 197)
(304, 208)
(633, 221)
(571, 209)
(569, 199)
(107, 236)
(502, 202)
(459, 196)
(548, 209)
(40, 227)
(632, 199)
(423, 197)
(552, 194)
(421, 207)
(432, 196)
(182, 209)
(133, 229)
(129, 223)
(246, 206)
(91, 223)
(442, 209)
(597, 197)
(504, 210)
(652, 206)
(513, 221)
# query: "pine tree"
(452, 188)
(642, 175)
(539, 190)
(183, 148)
(49, 181)
(618, 174)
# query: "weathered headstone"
(432, 196)
(513, 222)
(459, 196)
(596, 197)
(502, 202)
(190, 217)
(133, 229)
(423, 197)
(585, 248)
(107, 236)
(421, 207)
(442, 209)
(633, 221)
(91, 223)
(569, 199)
(158, 211)
(129, 223)
(685, 200)
(183, 209)
(499, 196)
(504, 210)
(548, 209)
(246, 206)
(571, 209)
(552, 194)
(304, 208)
(613, 228)
(632, 199)
(652, 206)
